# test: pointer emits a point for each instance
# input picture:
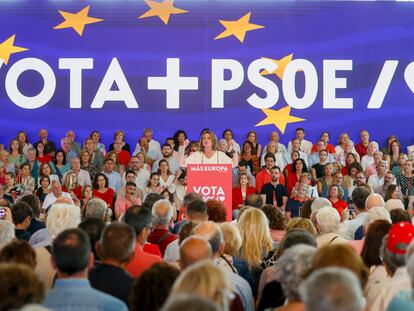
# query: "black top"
(22, 234)
(319, 168)
(112, 280)
(35, 225)
(272, 296)
(49, 147)
(280, 190)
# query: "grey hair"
(330, 289)
(189, 302)
(163, 218)
(393, 261)
(318, 203)
(294, 265)
(6, 232)
(31, 149)
(328, 219)
(62, 216)
(376, 213)
(409, 259)
(95, 208)
(190, 197)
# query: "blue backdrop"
(368, 33)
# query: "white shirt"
(378, 280)
(305, 146)
(375, 181)
(280, 160)
(142, 179)
(366, 161)
(280, 148)
(200, 158)
(83, 177)
(50, 199)
(354, 224)
(168, 184)
(302, 155)
(172, 163)
(172, 252)
(398, 282)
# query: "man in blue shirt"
(71, 258)
(114, 178)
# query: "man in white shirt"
(377, 179)
(167, 152)
(141, 175)
(153, 148)
(83, 176)
(56, 195)
(274, 136)
(359, 196)
(305, 145)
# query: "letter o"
(45, 94)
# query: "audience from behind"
(294, 266)
(116, 249)
(162, 211)
(6, 232)
(216, 211)
(331, 289)
(172, 253)
(96, 208)
(276, 220)
(359, 197)
(370, 254)
(72, 258)
(254, 200)
(301, 223)
(150, 199)
(152, 288)
(392, 204)
(140, 219)
(400, 215)
(93, 228)
(196, 211)
(328, 221)
(34, 203)
(22, 215)
(189, 302)
(393, 251)
(18, 252)
(19, 285)
(206, 280)
(404, 300)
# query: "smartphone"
(2, 213)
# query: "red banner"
(212, 181)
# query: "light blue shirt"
(403, 301)
(114, 180)
(77, 294)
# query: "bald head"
(211, 231)
(194, 249)
(374, 200)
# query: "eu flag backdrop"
(340, 66)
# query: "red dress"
(44, 159)
(107, 196)
(124, 157)
(339, 205)
(292, 179)
(237, 198)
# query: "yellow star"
(238, 28)
(77, 21)
(281, 63)
(162, 9)
(280, 118)
(7, 48)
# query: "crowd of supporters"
(315, 226)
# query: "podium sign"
(212, 181)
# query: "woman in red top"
(40, 156)
(72, 186)
(102, 190)
(325, 137)
(335, 196)
(289, 168)
(299, 167)
(350, 158)
(241, 191)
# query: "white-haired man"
(328, 220)
(163, 211)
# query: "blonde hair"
(213, 140)
(204, 279)
(301, 223)
(232, 239)
(255, 233)
(68, 176)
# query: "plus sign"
(172, 83)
